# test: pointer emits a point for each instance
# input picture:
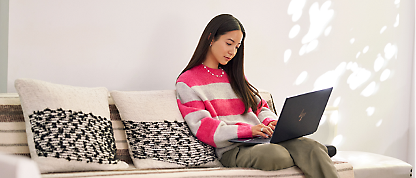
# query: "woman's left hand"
(272, 124)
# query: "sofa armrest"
(368, 165)
(13, 166)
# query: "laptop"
(300, 116)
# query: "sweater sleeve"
(264, 114)
(203, 122)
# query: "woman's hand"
(273, 124)
(261, 130)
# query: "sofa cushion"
(156, 133)
(68, 128)
(344, 170)
(367, 165)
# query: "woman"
(218, 104)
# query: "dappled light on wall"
(385, 75)
(390, 51)
(369, 90)
(367, 64)
(330, 78)
(337, 140)
(379, 123)
(358, 76)
(294, 31)
(337, 101)
(296, 9)
(397, 20)
(301, 78)
(319, 17)
(287, 55)
(323, 120)
(370, 111)
(383, 29)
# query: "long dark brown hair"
(218, 26)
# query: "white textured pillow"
(156, 133)
(68, 128)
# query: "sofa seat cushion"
(344, 169)
(369, 165)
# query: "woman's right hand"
(261, 130)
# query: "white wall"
(144, 45)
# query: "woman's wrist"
(267, 121)
(244, 131)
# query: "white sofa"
(13, 142)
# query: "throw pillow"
(157, 135)
(68, 128)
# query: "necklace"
(222, 71)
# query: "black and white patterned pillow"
(77, 137)
(167, 141)
(157, 135)
(73, 135)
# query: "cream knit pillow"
(156, 133)
(68, 128)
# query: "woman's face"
(224, 49)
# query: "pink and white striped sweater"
(213, 111)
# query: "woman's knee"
(271, 157)
(316, 149)
(313, 144)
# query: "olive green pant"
(309, 155)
